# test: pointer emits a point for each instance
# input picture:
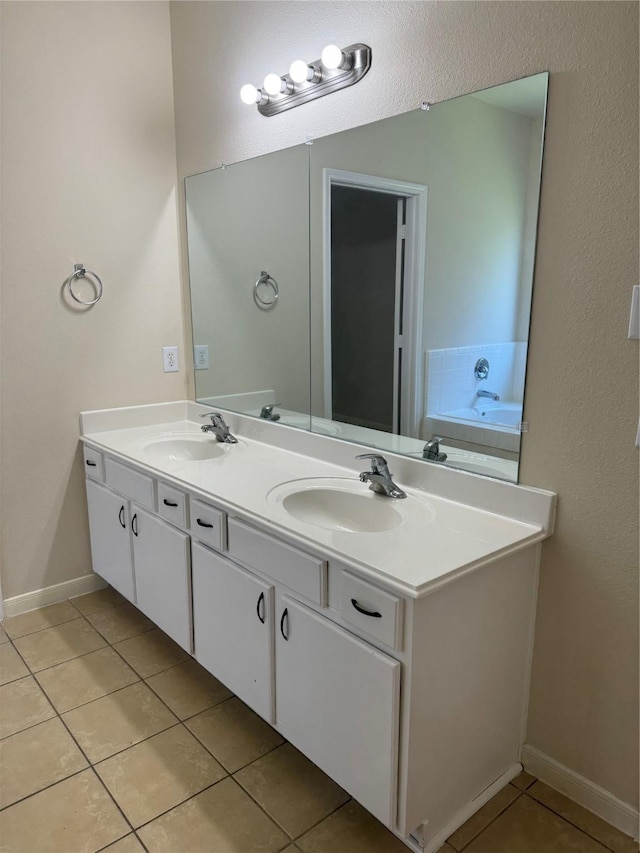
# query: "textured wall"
(582, 395)
(89, 174)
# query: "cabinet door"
(110, 540)
(161, 563)
(337, 700)
(233, 628)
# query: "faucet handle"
(378, 463)
(215, 416)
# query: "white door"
(233, 628)
(161, 563)
(337, 700)
(110, 539)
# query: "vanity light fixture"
(336, 69)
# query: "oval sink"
(335, 509)
(187, 449)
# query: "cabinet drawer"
(94, 464)
(172, 505)
(373, 611)
(208, 524)
(139, 487)
(295, 569)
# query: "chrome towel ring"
(80, 272)
(269, 282)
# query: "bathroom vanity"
(388, 640)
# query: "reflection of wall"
(475, 159)
(89, 174)
(238, 226)
(582, 372)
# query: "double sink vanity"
(388, 639)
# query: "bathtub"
(488, 423)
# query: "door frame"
(412, 380)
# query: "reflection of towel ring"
(267, 281)
(81, 272)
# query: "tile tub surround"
(221, 781)
(451, 383)
(475, 517)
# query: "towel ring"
(269, 281)
(80, 272)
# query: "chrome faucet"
(431, 450)
(218, 427)
(266, 412)
(488, 394)
(379, 478)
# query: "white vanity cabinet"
(338, 702)
(408, 688)
(233, 622)
(147, 560)
(109, 526)
(161, 561)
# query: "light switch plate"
(634, 320)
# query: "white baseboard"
(582, 791)
(52, 594)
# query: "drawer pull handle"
(90, 463)
(285, 615)
(121, 517)
(260, 602)
(169, 503)
(203, 523)
(365, 612)
(134, 524)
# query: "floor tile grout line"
(326, 817)
(571, 822)
(86, 758)
(44, 787)
(491, 822)
(45, 627)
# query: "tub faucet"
(379, 478)
(431, 450)
(488, 394)
(266, 412)
(218, 427)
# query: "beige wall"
(89, 174)
(582, 396)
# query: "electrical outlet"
(201, 356)
(170, 359)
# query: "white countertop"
(455, 522)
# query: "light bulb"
(273, 84)
(299, 71)
(248, 94)
(332, 56)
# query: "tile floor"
(112, 738)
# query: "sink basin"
(335, 509)
(183, 449)
(348, 506)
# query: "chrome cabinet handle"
(365, 612)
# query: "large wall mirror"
(376, 285)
